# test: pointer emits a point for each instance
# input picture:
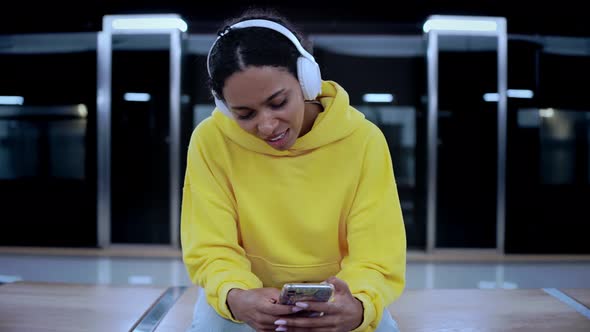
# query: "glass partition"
(549, 154)
(48, 140)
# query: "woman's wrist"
(231, 298)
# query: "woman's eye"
(245, 116)
(279, 105)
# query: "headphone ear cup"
(221, 106)
(310, 78)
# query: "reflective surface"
(48, 149)
(467, 143)
(171, 272)
(140, 136)
(549, 184)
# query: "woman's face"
(268, 103)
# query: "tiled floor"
(171, 272)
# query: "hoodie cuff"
(222, 292)
(369, 312)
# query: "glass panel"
(43, 142)
(559, 132)
(467, 142)
(18, 149)
(140, 118)
(47, 141)
(548, 183)
(66, 141)
(398, 123)
(201, 112)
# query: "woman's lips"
(279, 140)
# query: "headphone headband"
(308, 71)
(261, 23)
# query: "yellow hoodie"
(253, 216)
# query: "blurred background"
(489, 131)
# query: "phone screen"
(292, 293)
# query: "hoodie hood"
(337, 121)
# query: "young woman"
(287, 182)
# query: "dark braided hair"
(255, 46)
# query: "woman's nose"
(267, 125)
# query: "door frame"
(464, 26)
(161, 24)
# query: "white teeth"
(278, 137)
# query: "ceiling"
(565, 18)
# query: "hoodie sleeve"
(375, 265)
(209, 235)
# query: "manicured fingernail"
(280, 322)
(302, 305)
(296, 309)
(281, 328)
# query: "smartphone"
(293, 292)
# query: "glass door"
(549, 156)
(466, 132)
(139, 129)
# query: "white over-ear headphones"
(308, 71)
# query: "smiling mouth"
(279, 137)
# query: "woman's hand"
(258, 308)
(345, 313)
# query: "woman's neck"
(312, 109)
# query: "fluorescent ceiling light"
(459, 24)
(526, 94)
(491, 97)
(137, 96)
(82, 110)
(11, 100)
(377, 97)
(511, 93)
(149, 23)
